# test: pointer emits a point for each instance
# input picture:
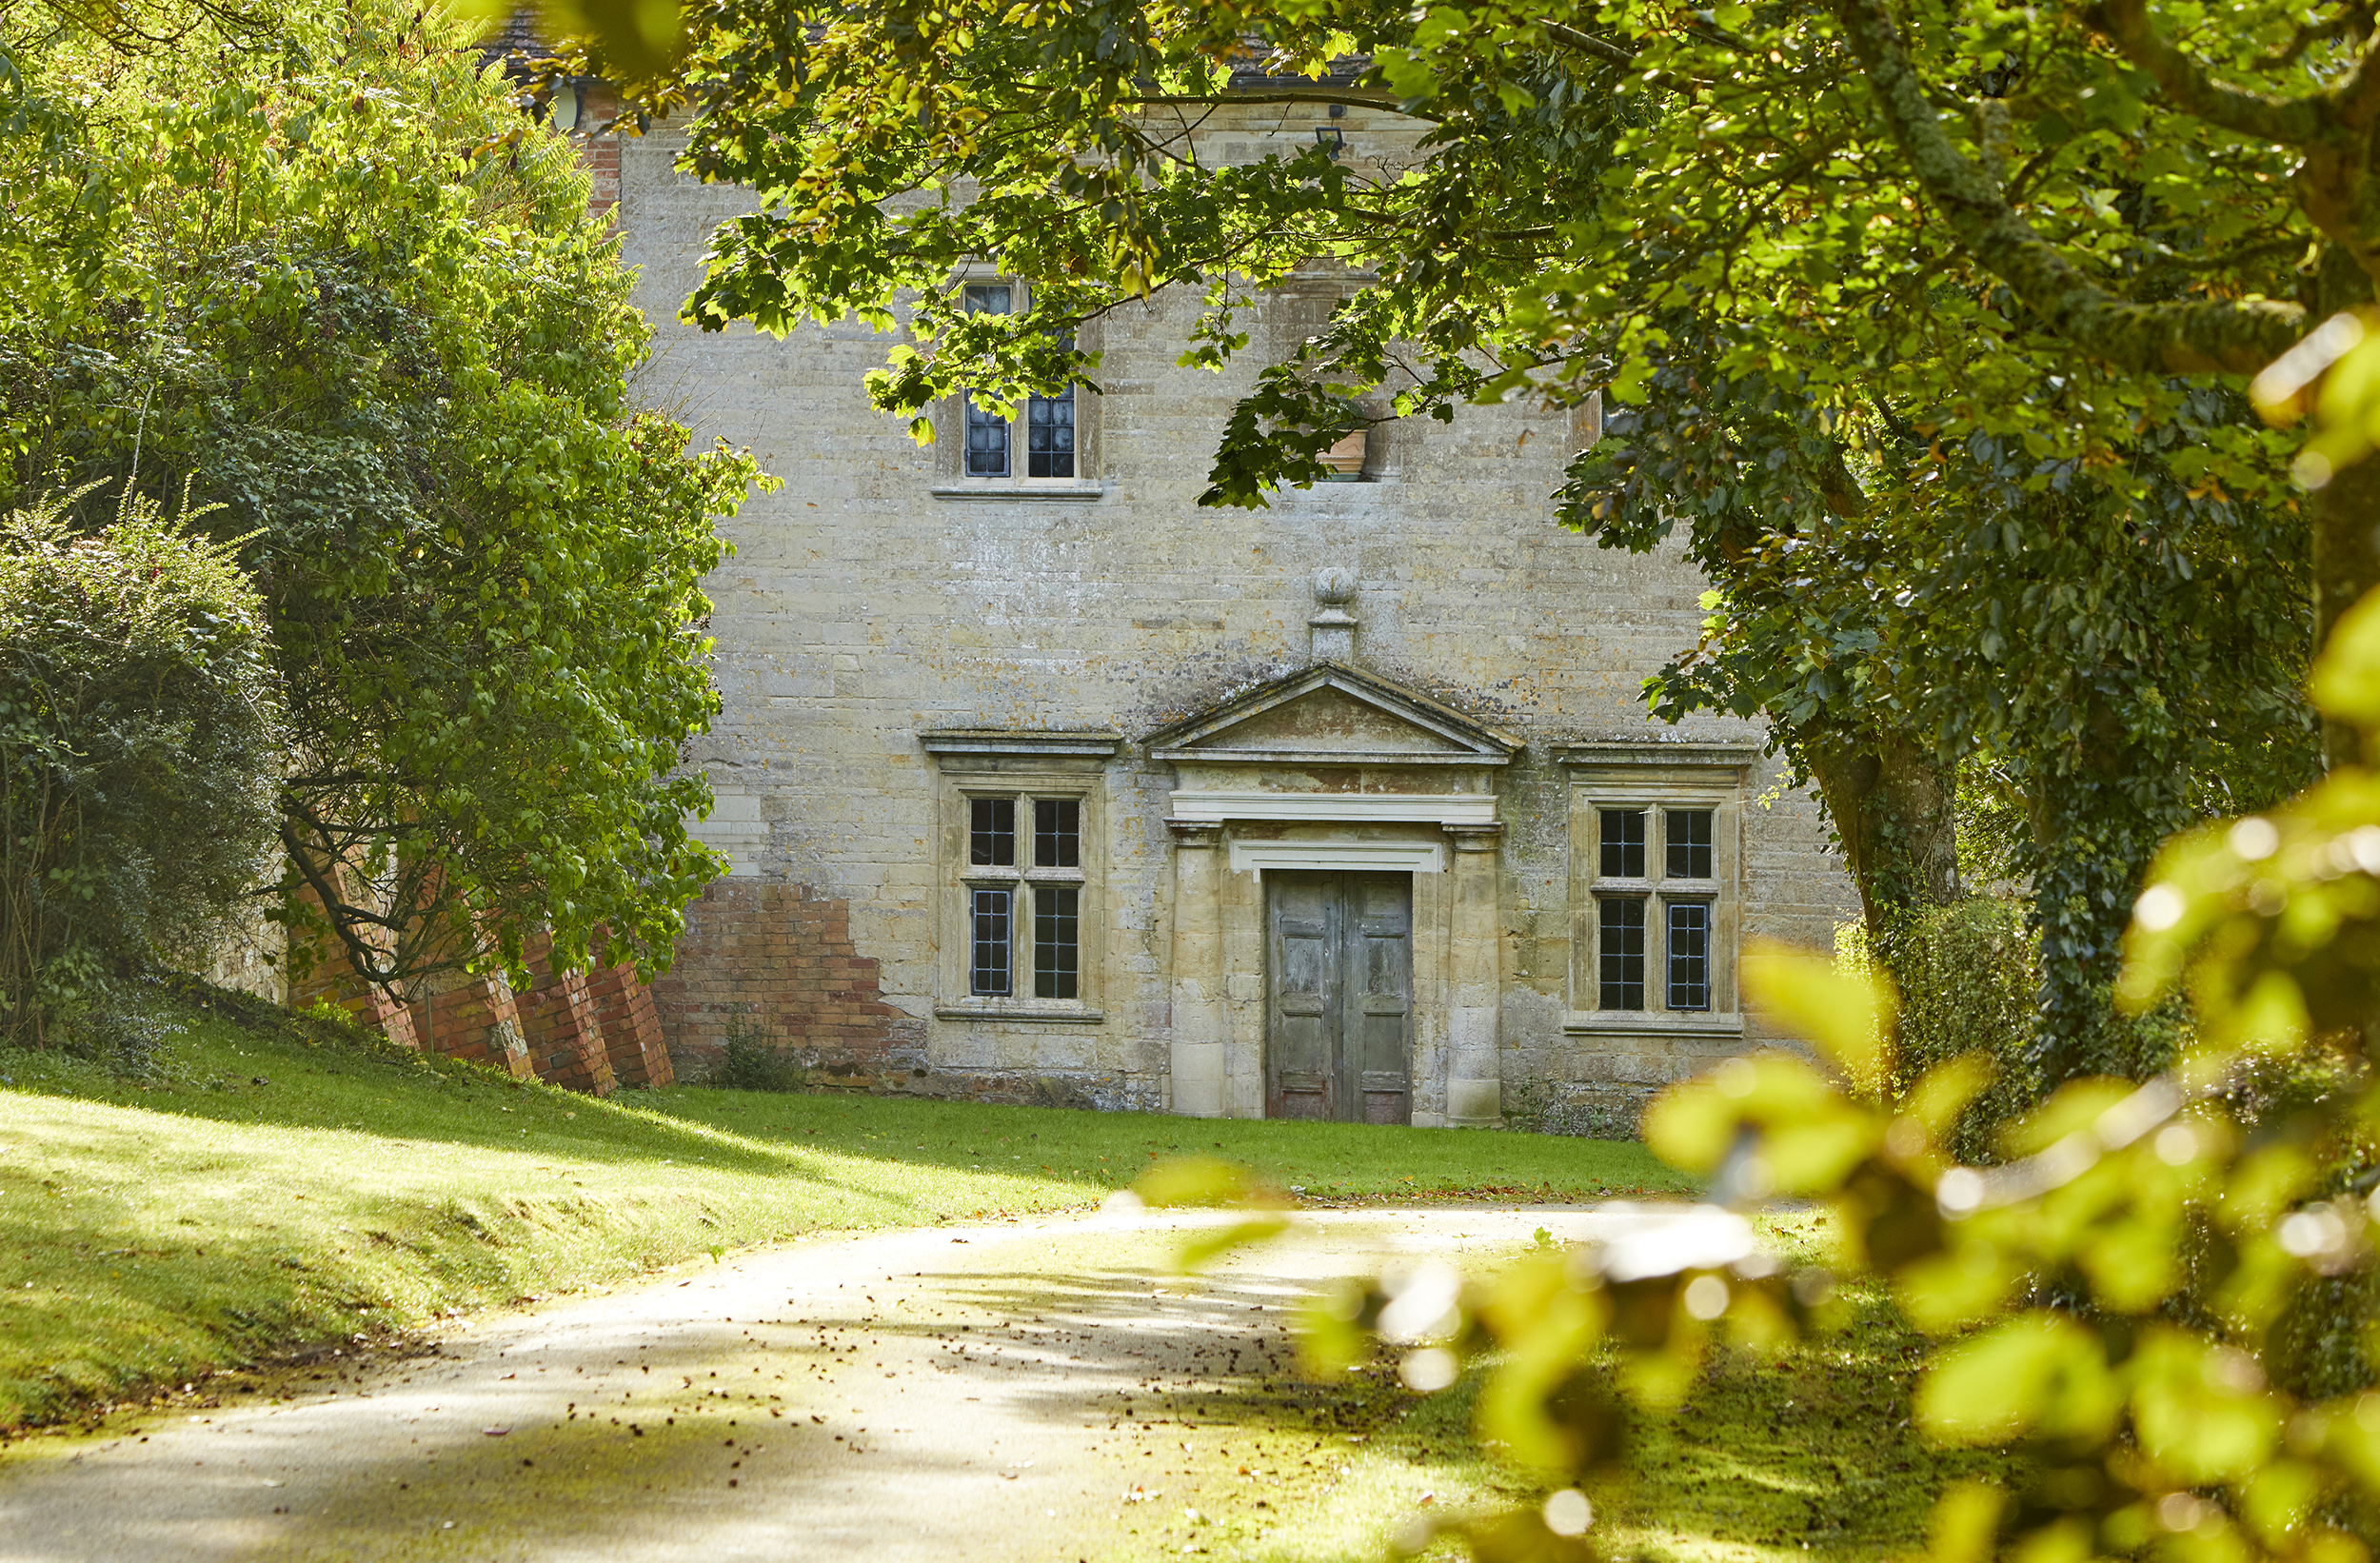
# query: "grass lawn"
(280, 1183)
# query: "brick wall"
(559, 1023)
(474, 1018)
(630, 1026)
(591, 1030)
(781, 956)
(601, 152)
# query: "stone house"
(1042, 782)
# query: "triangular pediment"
(1331, 715)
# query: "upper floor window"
(1044, 435)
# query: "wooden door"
(1339, 997)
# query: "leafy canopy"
(1946, 400)
(326, 269)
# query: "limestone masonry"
(1043, 783)
(1340, 775)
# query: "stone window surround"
(1657, 776)
(950, 430)
(976, 762)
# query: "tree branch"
(1594, 48)
(2285, 122)
(1586, 43)
(2347, 24)
(2193, 338)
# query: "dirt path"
(1045, 1390)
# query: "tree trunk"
(1891, 801)
(2343, 550)
(2346, 517)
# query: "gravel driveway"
(1040, 1390)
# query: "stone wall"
(877, 598)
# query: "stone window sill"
(1658, 1022)
(1008, 489)
(1064, 1014)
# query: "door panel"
(1339, 997)
(1304, 999)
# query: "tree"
(2124, 663)
(328, 271)
(2112, 1308)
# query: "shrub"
(1968, 980)
(1967, 976)
(137, 746)
(751, 1061)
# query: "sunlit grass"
(281, 1186)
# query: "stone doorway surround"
(1335, 768)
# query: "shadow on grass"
(241, 1061)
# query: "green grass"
(279, 1184)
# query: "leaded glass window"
(1689, 955)
(989, 919)
(1049, 436)
(992, 832)
(1023, 892)
(1623, 844)
(1619, 978)
(1687, 833)
(1057, 948)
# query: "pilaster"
(1475, 1088)
(1198, 1042)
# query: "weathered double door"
(1339, 997)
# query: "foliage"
(1967, 979)
(2119, 659)
(332, 273)
(2159, 1307)
(138, 748)
(751, 1060)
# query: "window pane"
(1687, 831)
(1689, 955)
(987, 443)
(1049, 436)
(987, 436)
(1057, 833)
(992, 832)
(1620, 964)
(1623, 844)
(1057, 955)
(988, 918)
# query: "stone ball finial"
(1334, 588)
